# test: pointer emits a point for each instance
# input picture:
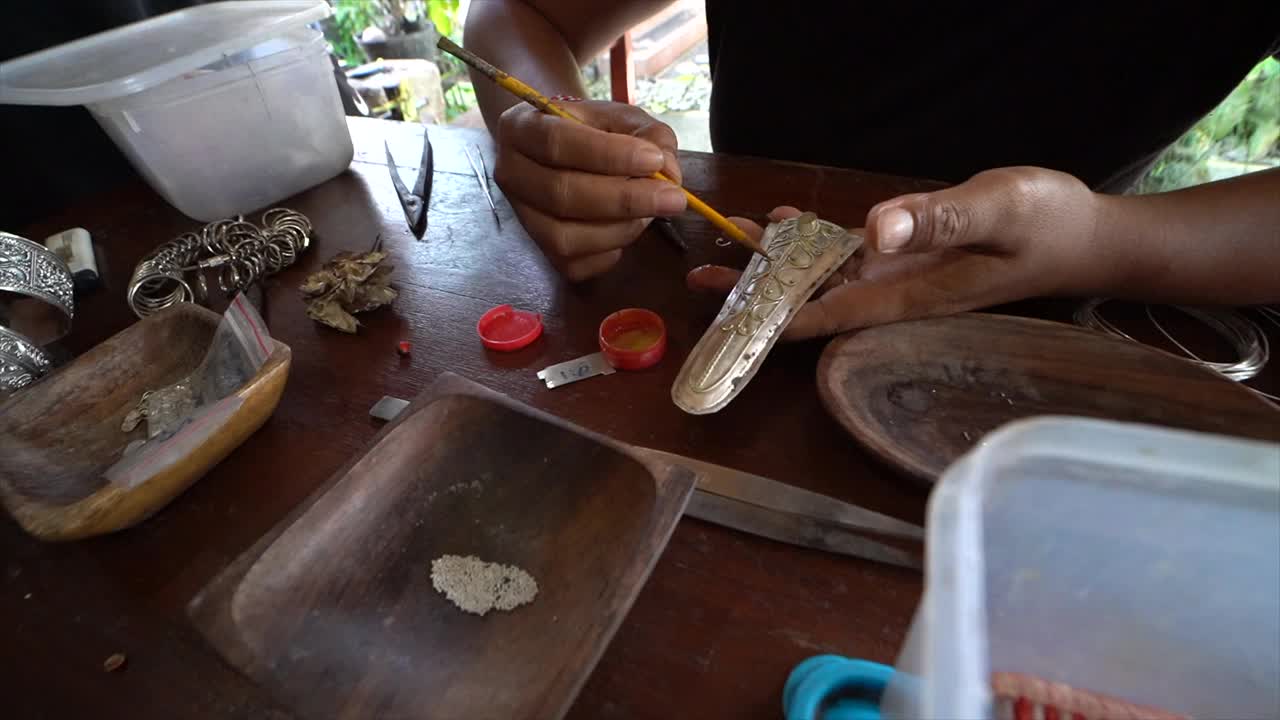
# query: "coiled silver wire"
(242, 253)
(1246, 338)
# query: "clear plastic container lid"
(1127, 560)
(144, 54)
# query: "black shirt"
(905, 88)
(945, 90)
(56, 155)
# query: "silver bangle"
(21, 361)
(31, 269)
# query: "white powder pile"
(476, 586)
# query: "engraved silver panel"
(802, 252)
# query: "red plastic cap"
(506, 329)
(633, 339)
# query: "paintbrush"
(516, 87)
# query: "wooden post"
(622, 73)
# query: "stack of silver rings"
(30, 272)
(241, 252)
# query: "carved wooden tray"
(335, 614)
(58, 436)
(919, 394)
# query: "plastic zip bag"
(182, 416)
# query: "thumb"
(980, 211)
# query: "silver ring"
(242, 252)
(21, 361)
(29, 268)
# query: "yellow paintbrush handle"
(734, 232)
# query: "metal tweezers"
(483, 178)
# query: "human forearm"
(517, 38)
(1217, 243)
(544, 42)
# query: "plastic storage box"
(1130, 561)
(224, 108)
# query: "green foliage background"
(351, 17)
(1243, 129)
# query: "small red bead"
(404, 347)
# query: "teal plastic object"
(831, 687)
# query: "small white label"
(75, 247)
(575, 370)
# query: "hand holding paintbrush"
(544, 104)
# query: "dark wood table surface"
(724, 617)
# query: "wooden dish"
(334, 611)
(58, 436)
(919, 394)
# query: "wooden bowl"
(335, 614)
(58, 436)
(920, 394)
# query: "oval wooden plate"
(919, 394)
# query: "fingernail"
(669, 201)
(895, 226)
(648, 159)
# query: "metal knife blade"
(770, 509)
(773, 495)
(793, 529)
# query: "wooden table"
(725, 615)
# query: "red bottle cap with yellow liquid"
(633, 339)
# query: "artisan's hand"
(1004, 235)
(582, 192)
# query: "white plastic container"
(1126, 560)
(224, 108)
